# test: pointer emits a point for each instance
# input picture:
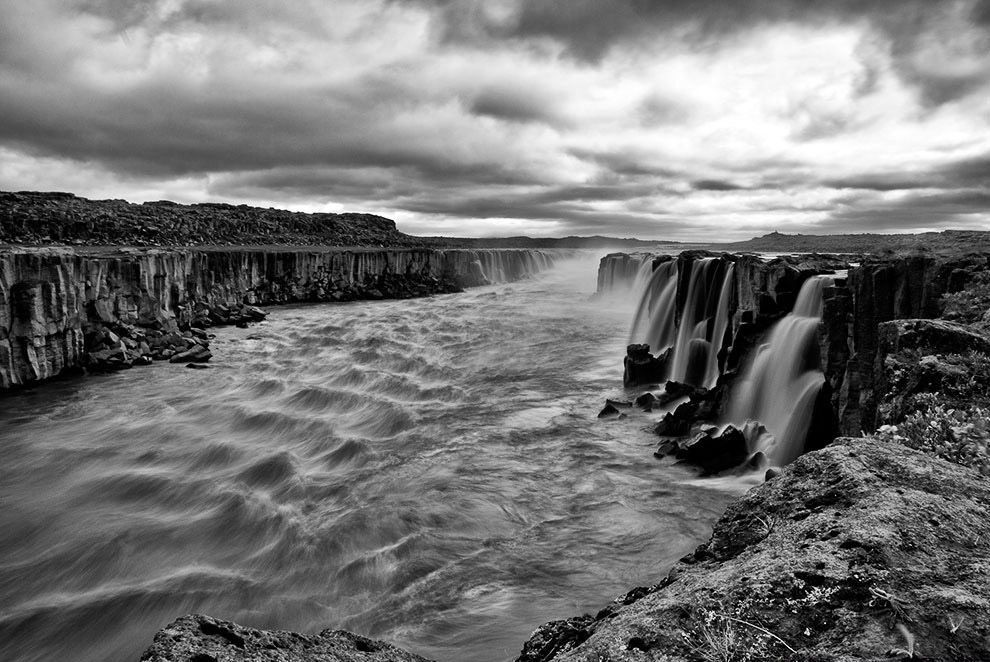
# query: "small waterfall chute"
(784, 379)
(704, 322)
(653, 322)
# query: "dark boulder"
(715, 454)
(609, 411)
(671, 426)
(646, 401)
(196, 354)
(642, 368)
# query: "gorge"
(431, 472)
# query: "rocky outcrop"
(859, 551)
(885, 289)
(62, 309)
(921, 361)
(197, 638)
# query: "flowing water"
(430, 472)
(780, 386)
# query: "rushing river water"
(430, 472)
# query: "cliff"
(878, 290)
(64, 309)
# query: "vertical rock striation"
(53, 301)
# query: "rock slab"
(198, 638)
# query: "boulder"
(715, 454)
(198, 638)
(196, 354)
(646, 401)
(642, 368)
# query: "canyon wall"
(54, 301)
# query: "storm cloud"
(668, 119)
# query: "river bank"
(69, 310)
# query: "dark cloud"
(715, 185)
(969, 173)
(968, 209)
(517, 105)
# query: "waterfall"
(781, 385)
(721, 326)
(653, 322)
(701, 331)
(621, 272)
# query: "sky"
(669, 119)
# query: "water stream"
(430, 472)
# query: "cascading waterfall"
(619, 272)
(699, 336)
(654, 321)
(780, 387)
(721, 326)
(704, 324)
(488, 267)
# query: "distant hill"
(776, 242)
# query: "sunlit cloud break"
(670, 120)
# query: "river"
(430, 472)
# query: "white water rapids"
(430, 472)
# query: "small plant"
(766, 525)
(953, 625)
(720, 639)
(885, 600)
(909, 648)
(956, 435)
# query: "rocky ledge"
(198, 638)
(860, 551)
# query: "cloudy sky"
(670, 119)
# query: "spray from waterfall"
(783, 382)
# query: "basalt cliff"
(77, 301)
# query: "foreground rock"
(860, 551)
(197, 638)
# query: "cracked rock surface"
(198, 638)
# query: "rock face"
(55, 304)
(933, 360)
(879, 290)
(852, 552)
(198, 638)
